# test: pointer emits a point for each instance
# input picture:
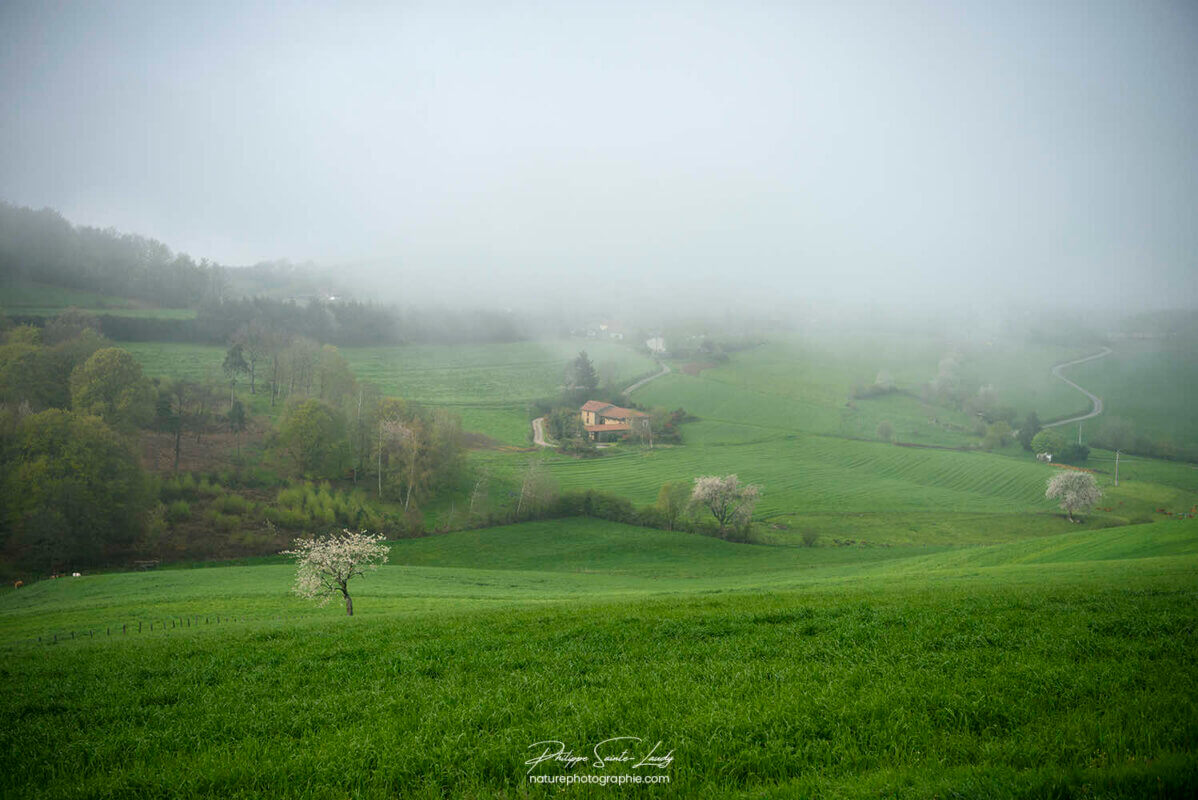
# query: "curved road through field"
(1094, 399)
(665, 370)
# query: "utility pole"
(1116, 467)
(1079, 433)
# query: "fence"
(128, 628)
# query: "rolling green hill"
(1023, 669)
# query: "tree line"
(74, 408)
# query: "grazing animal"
(75, 574)
(18, 584)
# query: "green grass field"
(41, 300)
(489, 386)
(1061, 666)
(1150, 384)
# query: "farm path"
(1094, 399)
(538, 433)
(665, 370)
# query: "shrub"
(232, 504)
(178, 511)
(810, 538)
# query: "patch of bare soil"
(211, 451)
(472, 440)
(695, 367)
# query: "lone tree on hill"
(1076, 490)
(582, 376)
(728, 501)
(326, 565)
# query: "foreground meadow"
(1058, 666)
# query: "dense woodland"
(42, 246)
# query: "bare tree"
(536, 489)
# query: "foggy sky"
(874, 151)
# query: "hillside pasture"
(43, 300)
(1024, 669)
(490, 386)
(1152, 385)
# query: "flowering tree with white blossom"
(728, 501)
(1076, 490)
(326, 565)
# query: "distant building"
(600, 418)
(656, 345)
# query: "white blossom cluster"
(1076, 490)
(729, 502)
(325, 565)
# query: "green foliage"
(235, 365)
(40, 375)
(110, 385)
(1028, 430)
(313, 436)
(307, 505)
(234, 504)
(1048, 441)
(74, 492)
(885, 431)
(581, 378)
(998, 434)
(178, 511)
(1074, 453)
(673, 501)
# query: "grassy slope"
(758, 413)
(490, 386)
(37, 299)
(1019, 668)
(1152, 385)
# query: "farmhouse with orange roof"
(600, 418)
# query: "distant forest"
(44, 247)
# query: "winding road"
(665, 370)
(1095, 399)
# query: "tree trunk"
(178, 438)
(349, 605)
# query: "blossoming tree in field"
(326, 565)
(728, 501)
(1076, 490)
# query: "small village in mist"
(463, 400)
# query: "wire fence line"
(125, 629)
